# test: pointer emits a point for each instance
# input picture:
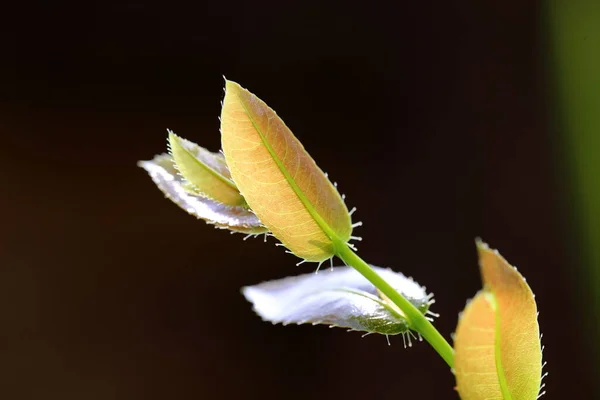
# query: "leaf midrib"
(215, 173)
(305, 202)
(375, 299)
(504, 389)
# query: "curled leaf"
(235, 218)
(497, 342)
(279, 179)
(206, 172)
(339, 297)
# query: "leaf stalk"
(415, 318)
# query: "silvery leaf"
(338, 297)
(235, 218)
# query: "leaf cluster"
(265, 182)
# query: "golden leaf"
(279, 180)
(497, 342)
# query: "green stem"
(416, 319)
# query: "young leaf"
(206, 172)
(279, 179)
(338, 297)
(235, 218)
(497, 342)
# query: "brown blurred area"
(433, 118)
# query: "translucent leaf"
(206, 172)
(497, 342)
(338, 297)
(279, 179)
(235, 218)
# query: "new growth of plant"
(265, 183)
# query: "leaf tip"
(171, 136)
(231, 86)
(480, 244)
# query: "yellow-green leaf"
(279, 179)
(206, 172)
(497, 342)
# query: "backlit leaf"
(497, 342)
(206, 172)
(235, 218)
(279, 179)
(339, 297)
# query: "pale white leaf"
(166, 177)
(338, 297)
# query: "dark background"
(435, 120)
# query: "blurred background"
(440, 122)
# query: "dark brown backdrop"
(433, 118)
